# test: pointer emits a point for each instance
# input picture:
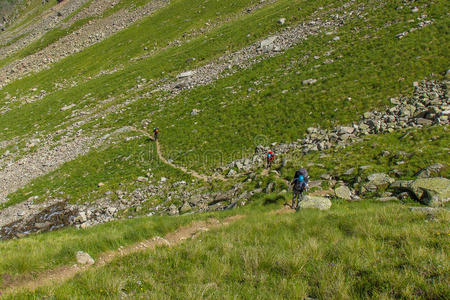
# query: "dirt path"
(183, 169)
(62, 274)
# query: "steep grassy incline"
(220, 78)
(366, 64)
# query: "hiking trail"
(65, 273)
(183, 169)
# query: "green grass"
(353, 251)
(117, 166)
(370, 71)
(47, 39)
(30, 11)
(37, 253)
(114, 51)
(409, 151)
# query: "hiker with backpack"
(299, 185)
(270, 159)
(155, 133)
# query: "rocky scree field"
(355, 91)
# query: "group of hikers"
(299, 183)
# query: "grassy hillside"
(353, 251)
(116, 91)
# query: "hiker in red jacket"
(270, 159)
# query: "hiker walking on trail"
(299, 185)
(155, 133)
(270, 159)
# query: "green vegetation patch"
(116, 166)
(400, 154)
(37, 253)
(353, 251)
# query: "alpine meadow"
(224, 149)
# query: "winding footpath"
(183, 169)
(64, 273)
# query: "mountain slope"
(349, 89)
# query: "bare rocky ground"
(37, 28)
(95, 31)
(95, 9)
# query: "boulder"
(431, 191)
(231, 173)
(376, 181)
(315, 202)
(343, 192)
(268, 42)
(186, 74)
(269, 188)
(195, 112)
(185, 208)
(430, 171)
(84, 259)
(309, 81)
(173, 210)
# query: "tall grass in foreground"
(354, 251)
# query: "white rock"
(186, 74)
(84, 259)
(315, 202)
(269, 41)
(67, 107)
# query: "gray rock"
(84, 259)
(231, 173)
(315, 183)
(315, 202)
(269, 188)
(186, 74)
(141, 179)
(268, 42)
(173, 210)
(431, 191)
(345, 130)
(425, 209)
(82, 217)
(67, 107)
(377, 181)
(343, 192)
(430, 171)
(185, 208)
(349, 172)
(195, 112)
(309, 81)
(281, 21)
(111, 211)
(424, 122)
